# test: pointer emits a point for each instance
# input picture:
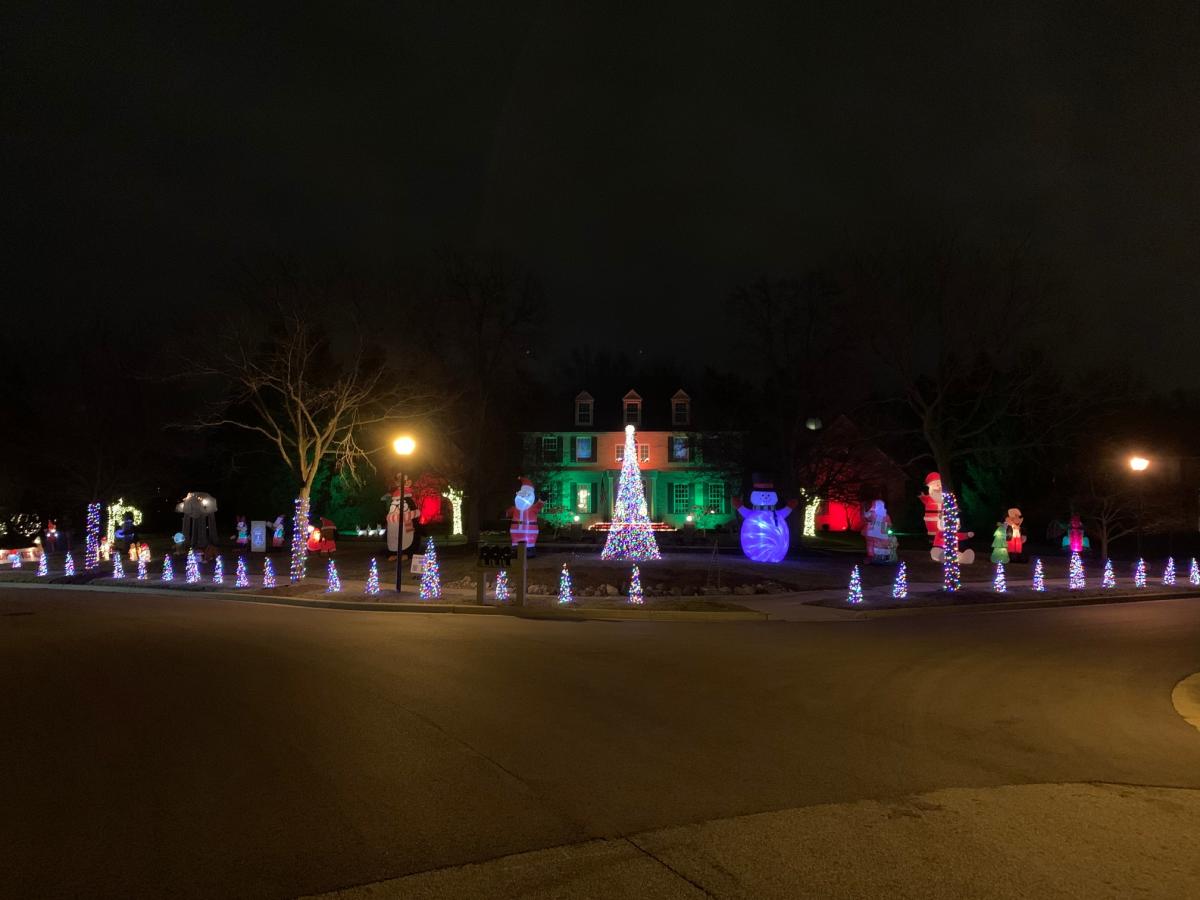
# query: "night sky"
(645, 157)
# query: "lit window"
(714, 497)
(681, 498)
(583, 498)
(643, 451)
(679, 448)
(584, 449)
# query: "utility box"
(502, 558)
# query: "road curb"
(1186, 699)
(1028, 604)
(570, 614)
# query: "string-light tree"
(299, 540)
(951, 573)
(999, 581)
(431, 577)
(455, 496)
(1039, 575)
(372, 578)
(630, 536)
(855, 596)
(191, 568)
(636, 595)
(565, 594)
(241, 578)
(1139, 574)
(69, 566)
(142, 575)
(1169, 572)
(268, 573)
(118, 566)
(1194, 573)
(1075, 577)
(219, 571)
(333, 582)
(502, 586)
(900, 585)
(91, 552)
(1109, 578)
(43, 564)
(168, 569)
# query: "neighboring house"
(688, 473)
(848, 471)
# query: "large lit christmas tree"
(630, 536)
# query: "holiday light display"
(69, 566)
(502, 586)
(241, 578)
(191, 568)
(15, 559)
(630, 536)
(168, 568)
(268, 574)
(900, 585)
(1194, 573)
(1139, 574)
(1075, 577)
(372, 578)
(1168, 577)
(43, 564)
(118, 570)
(141, 570)
(91, 552)
(810, 517)
(455, 497)
(333, 583)
(1039, 575)
(116, 515)
(999, 581)
(144, 553)
(1108, 579)
(764, 535)
(951, 573)
(431, 577)
(636, 595)
(565, 594)
(855, 596)
(218, 571)
(299, 540)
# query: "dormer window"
(583, 410)
(631, 409)
(681, 410)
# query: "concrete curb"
(1029, 604)
(572, 614)
(1186, 700)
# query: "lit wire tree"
(900, 585)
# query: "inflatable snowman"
(765, 535)
(523, 516)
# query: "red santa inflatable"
(935, 524)
(524, 516)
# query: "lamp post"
(404, 447)
(1139, 464)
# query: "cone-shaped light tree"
(1108, 579)
(1039, 575)
(636, 595)
(1000, 580)
(855, 594)
(630, 536)
(431, 577)
(900, 585)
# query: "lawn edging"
(1101, 600)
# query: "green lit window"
(714, 497)
(681, 498)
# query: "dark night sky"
(655, 154)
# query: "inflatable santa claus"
(935, 524)
(877, 529)
(523, 516)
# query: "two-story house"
(688, 473)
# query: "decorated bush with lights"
(630, 537)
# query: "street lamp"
(404, 446)
(1140, 464)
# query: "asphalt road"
(178, 745)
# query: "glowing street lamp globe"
(1139, 463)
(404, 446)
